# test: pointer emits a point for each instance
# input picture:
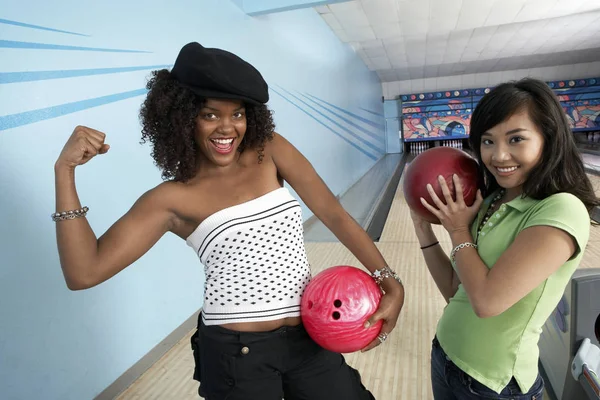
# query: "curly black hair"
(168, 117)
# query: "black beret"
(216, 73)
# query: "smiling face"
(220, 128)
(511, 149)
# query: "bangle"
(71, 214)
(461, 246)
(429, 245)
(380, 274)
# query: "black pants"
(270, 366)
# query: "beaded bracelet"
(72, 214)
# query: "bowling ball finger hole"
(310, 305)
(336, 315)
(337, 303)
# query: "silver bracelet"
(71, 214)
(380, 274)
(460, 247)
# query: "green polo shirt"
(493, 350)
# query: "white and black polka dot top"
(254, 259)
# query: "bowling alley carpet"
(398, 369)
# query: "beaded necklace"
(490, 210)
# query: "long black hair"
(561, 168)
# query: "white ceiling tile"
(450, 8)
(416, 72)
(397, 49)
(381, 62)
(332, 21)
(387, 75)
(415, 28)
(452, 57)
(468, 37)
(387, 30)
(588, 5)
(566, 7)
(442, 25)
(412, 10)
(466, 57)
(504, 12)
(473, 14)
(396, 63)
(371, 43)
(322, 9)
(402, 74)
(483, 34)
(381, 11)
(434, 59)
(346, 6)
(360, 34)
(352, 20)
(375, 52)
(415, 62)
(535, 10)
(488, 53)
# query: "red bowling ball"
(335, 305)
(427, 166)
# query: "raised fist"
(83, 145)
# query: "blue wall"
(58, 344)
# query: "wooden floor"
(398, 369)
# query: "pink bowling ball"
(335, 305)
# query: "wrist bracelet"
(385, 272)
(459, 247)
(429, 245)
(71, 214)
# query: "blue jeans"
(451, 383)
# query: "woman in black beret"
(224, 169)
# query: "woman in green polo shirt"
(514, 252)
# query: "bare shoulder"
(279, 147)
(163, 196)
(276, 142)
(162, 203)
